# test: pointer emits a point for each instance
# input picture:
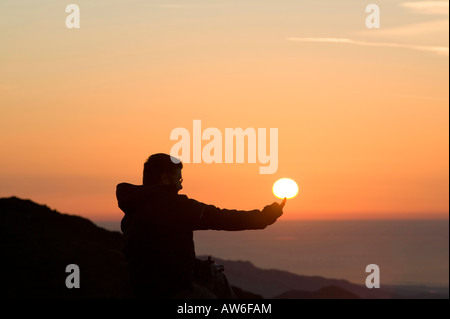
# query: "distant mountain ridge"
(274, 283)
(37, 244)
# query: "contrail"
(435, 49)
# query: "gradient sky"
(362, 114)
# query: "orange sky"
(362, 123)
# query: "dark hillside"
(37, 243)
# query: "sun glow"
(285, 187)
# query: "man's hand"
(273, 211)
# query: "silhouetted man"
(158, 230)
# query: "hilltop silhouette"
(37, 243)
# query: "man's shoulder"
(184, 199)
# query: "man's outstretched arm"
(215, 218)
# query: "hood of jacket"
(130, 197)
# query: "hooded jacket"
(158, 235)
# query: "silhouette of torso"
(158, 236)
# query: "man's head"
(165, 170)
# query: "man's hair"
(157, 164)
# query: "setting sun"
(285, 187)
